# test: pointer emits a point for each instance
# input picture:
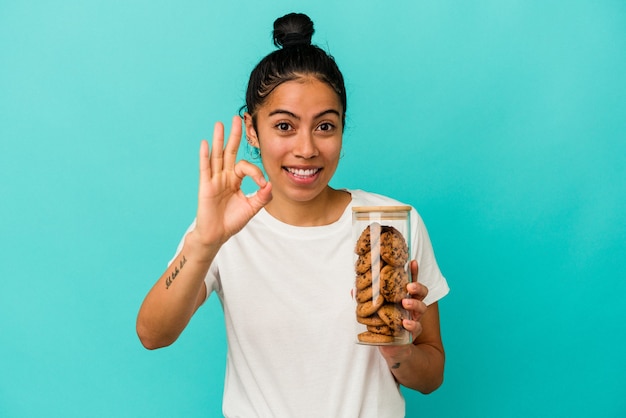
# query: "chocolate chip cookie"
(374, 338)
(393, 248)
(363, 263)
(364, 280)
(393, 281)
(392, 315)
(364, 243)
(373, 320)
(369, 307)
(364, 295)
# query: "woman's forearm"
(419, 365)
(421, 368)
(174, 298)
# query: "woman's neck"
(323, 210)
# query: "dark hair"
(295, 58)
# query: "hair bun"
(293, 29)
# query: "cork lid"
(385, 209)
(361, 213)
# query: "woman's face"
(299, 133)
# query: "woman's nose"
(305, 146)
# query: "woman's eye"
(283, 126)
(325, 126)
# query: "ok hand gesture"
(223, 209)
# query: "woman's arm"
(172, 301)
(419, 365)
(223, 210)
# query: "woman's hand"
(223, 209)
(415, 304)
(416, 308)
(419, 365)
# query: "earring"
(253, 152)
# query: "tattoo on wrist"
(173, 274)
(396, 366)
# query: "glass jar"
(381, 264)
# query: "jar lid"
(361, 209)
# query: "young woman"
(280, 260)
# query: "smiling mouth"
(303, 173)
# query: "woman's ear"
(251, 135)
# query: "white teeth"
(303, 173)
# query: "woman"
(280, 259)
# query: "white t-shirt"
(290, 319)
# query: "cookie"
(393, 281)
(393, 247)
(373, 320)
(380, 329)
(373, 338)
(363, 263)
(392, 315)
(364, 243)
(369, 307)
(364, 280)
(364, 295)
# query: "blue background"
(503, 122)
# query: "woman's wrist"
(199, 250)
(395, 356)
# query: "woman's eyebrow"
(283, 112)
(325, 112)
(293, 115)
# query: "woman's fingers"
(417, 290)
(224, 157)
(230, 153)
(414, 327)
(415, 304)
(416, 309)
(414, 270)
(262, 197)
(244, 168)
(217, 148)
(204, 164)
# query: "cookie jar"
(382, 240)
